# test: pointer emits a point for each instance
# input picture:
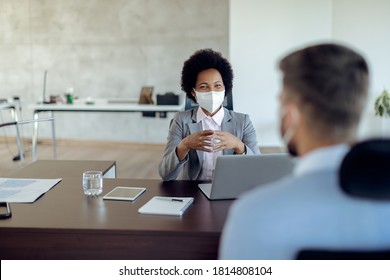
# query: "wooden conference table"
(65, 224)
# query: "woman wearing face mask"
(197, 136)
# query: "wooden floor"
(132, 160)
(139, 161)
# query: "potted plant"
(382, 105)
(382, 109)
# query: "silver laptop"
(235, 174)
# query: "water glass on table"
(92, 183)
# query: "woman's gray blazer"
(184, 124)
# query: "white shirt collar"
(323, 158)
(218, 117)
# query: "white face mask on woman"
(210, 100)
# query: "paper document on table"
(163, 205)
(24, 190)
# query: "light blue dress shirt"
(305, 210)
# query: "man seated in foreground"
(323, 95)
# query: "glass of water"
(92, 183)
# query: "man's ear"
(292, 115)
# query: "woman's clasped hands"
(213, 141)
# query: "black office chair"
(168, 98)
(364, 174)
(227, 103)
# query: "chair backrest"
(227, 103)
(363, 174)
(343, 255)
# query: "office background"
(112, 48)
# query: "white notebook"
(165, 205)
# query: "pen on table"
(177, 199)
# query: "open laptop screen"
(235, 174)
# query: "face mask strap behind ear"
(288, 135)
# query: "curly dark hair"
(202, 60)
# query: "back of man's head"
(329, 84)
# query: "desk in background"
(65, 224)
(104, 105)
(98, 105)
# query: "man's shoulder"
(288, 187)
(264, 215)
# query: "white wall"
(261, 32)
(365, 24)
(112, 48)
